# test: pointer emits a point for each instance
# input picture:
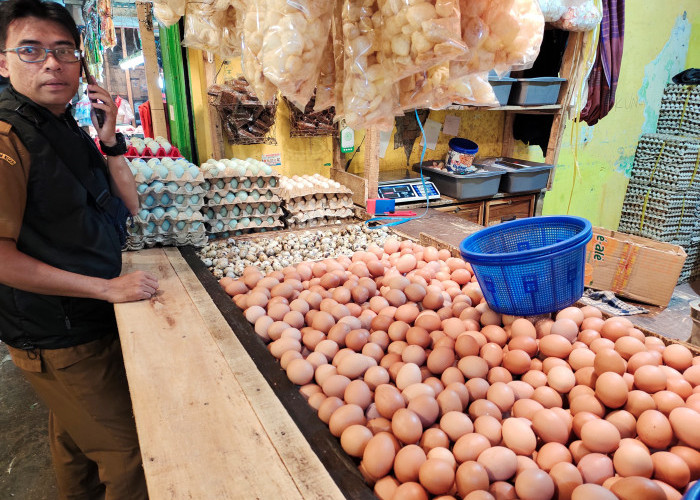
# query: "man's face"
(50, 83)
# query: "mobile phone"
(99, 113)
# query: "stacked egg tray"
(314, 200)
(665, 161)
(691, 267)
(680, 110)
(240, 202)
(660, 214)
(171, 197)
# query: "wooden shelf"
(550, 108)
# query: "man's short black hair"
(45, 10)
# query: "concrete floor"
(25, 461)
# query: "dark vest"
(62, 227)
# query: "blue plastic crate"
(530, 266)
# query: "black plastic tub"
(481, 184)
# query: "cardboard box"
(638, 268)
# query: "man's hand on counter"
(131, 287)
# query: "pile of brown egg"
(440, 397)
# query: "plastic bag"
(296, 35)
(169, 12)
(500, 34)
(339, 60)
(424, 90)
(325, 85)
(419, 34)
(251, 50)
(202, 27)
(580, 15)
(470, 90)
(552, 10)
(369, 94)
(230, 44)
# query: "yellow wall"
(653, 53)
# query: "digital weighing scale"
(405, 186)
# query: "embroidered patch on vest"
(7, 158)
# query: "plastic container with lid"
(461, 155)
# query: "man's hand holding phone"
(103, 110)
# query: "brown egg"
(691, 456)
(566, 478)
(638, 402)
(678, 356)
(379, 454)
(643, 358)
(600, 436)
(624, 421)
(434, 438)
(635, 488)
(671, 469)
(436, 476)
(483, 407)
(406, 426)
(627, 346)
(477, 388)
(354, 439)
(408, 462)
(611, 389)
(549, 427)
(473, 367)
(615, 327)
(566, 327)
(630, 460)
(580, 419)
(471, 476)
(523, 328)
(555, 346)
(686, 425)
(501, 395)
(591, 491)
(692, 374)
(595, 468)
(666, 401)
(580, 358)
(654, 429)
(357, 392)
(534, 484)
(500, 463)
(650, 378)
(499, 490)
(587, 403)
(607, 360)
(561, 379)
(388, 399)
(551, 454)
(345, 416)
(535, 378)
(526, 408)
(521, 390)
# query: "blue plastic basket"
(530, 266)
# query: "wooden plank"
(199, 436)
(127, 74)
(214, 119)
(306, 469)
(444, 227)
(150, 61)
(508, 144)
(357, 184)
(371, 170)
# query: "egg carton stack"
(691, 268)
(171, 196)
(314, 200)
(680, 110)
(241, 197)
(664, 189)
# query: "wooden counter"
(209, 424)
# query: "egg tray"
(342, 213)
(228, 184)
(193, 216)
(221, 225)
(196, 239)
(233, 173)
(166, 225)
(218, 215)
(672, 235)
(170, 188)
(662, 200)
(312, 223)
(673, 145)
(171, 177)
(210, 199)
(325, 203)
(152, 200)
(317, 191)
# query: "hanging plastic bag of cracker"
(203, 27)
(169, 12)
(296, 35)
(230, 44)
(500, 34)
(254, 27)
(325, 85)
(419, 34)
(370, 96)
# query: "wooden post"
(127, 73)
(371, 171)
(214, 119)
(150, 60)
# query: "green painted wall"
(654, 51)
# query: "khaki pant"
(93, 440)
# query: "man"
(60, 253)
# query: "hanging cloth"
(602, 82)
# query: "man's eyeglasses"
(32, 54)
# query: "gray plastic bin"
(519, 176)
(465, 187)
(502, 88)
(536, 91)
